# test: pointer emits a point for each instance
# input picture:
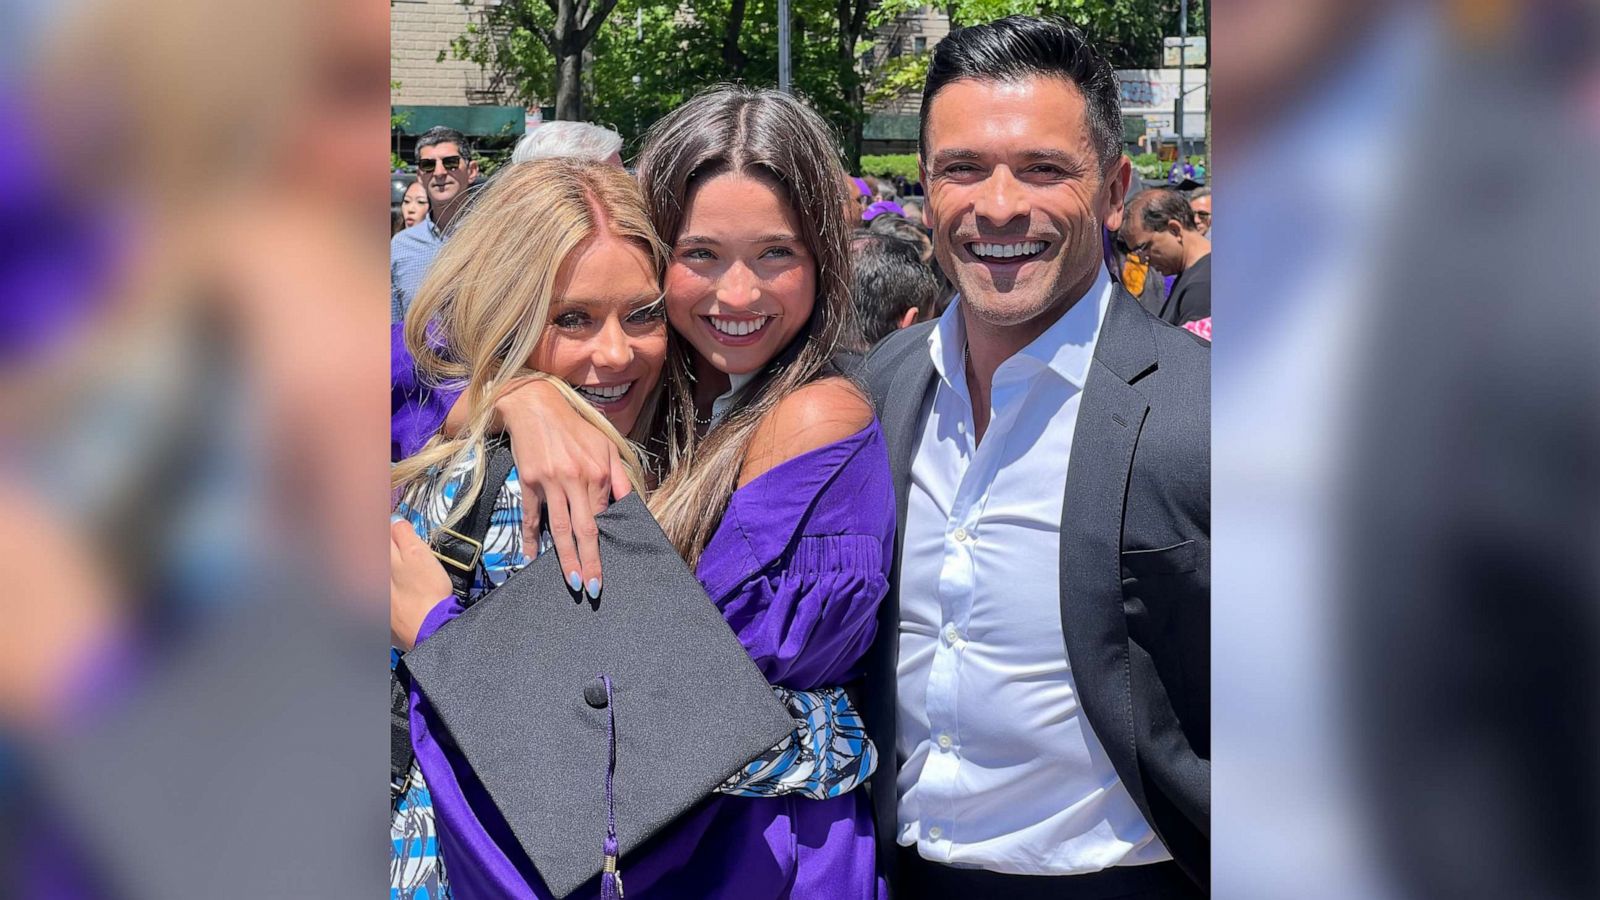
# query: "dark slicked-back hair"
(439, 134)
(1158, 207)
(1018, 47)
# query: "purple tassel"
(610, 875)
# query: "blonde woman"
(554, 275)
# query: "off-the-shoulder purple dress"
(798, 568)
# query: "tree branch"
(595, 16)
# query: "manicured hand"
(568, 467)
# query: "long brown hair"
(770, 135)
(486, 300)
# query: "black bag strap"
(461, 551)
(400, 749)
(461, 548)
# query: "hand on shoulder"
(819, 414)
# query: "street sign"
(1194, 56)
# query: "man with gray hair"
(574, 140)
(1200, 202)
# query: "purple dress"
(798, 568)
(416, 410)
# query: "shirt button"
(944, 742)
(961, 535)
(935, 832)
(951, 633)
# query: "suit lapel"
(1110, 415)
(902, 420)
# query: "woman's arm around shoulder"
(818, 414)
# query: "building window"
(919, 44)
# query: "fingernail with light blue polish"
(594, 589)
(575, 581)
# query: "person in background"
(445, 169)
(395, 222)
(913, 227)
(913, 208)
(1200, 202)
(414, 205)
(1200, 170)
(1160, 227)
(903, 228)
(882, 207)
(863, 196)
(892, 285)
(574, 140)
(1181, 169)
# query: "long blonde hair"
(485, 302)
(771, 135)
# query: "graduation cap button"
(594, 693)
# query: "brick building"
(892, 128)
(427, 91)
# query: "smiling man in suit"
(1041, 681)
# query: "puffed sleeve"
(808, 622)
(801, 561)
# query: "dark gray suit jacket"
(1135, 565)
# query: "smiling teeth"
(1006, 251)
(739, 327)
(604, 394)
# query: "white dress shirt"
(1002, 771)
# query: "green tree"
(536, 48)
(649, 58)
(645, 58)
(1129, 32)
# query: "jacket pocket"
(1172, 560)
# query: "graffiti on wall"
(1144, 88)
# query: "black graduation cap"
(532, 682)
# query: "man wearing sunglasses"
(1200, 202)
(446, 169)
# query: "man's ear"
(908, 318)
(1118, 176)
(1174, 228)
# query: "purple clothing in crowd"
(798, 568)
(416, 410)
(881, 207)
